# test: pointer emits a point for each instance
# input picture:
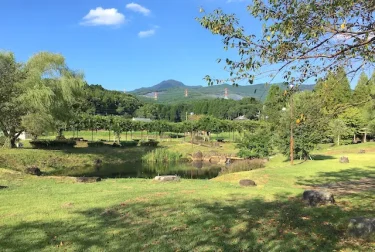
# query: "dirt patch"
(349, 187)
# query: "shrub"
(96, 144)
(149, 143)
(2, 140)
(175, 135)
(162, 156)
(255, 145)
(243, 165)
(52, 144)
(60, 137)
(128, 143)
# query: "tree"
(338, 129)
(334, 92)
(256, 145)
(44, 85)
(274, 103)
(308, 123)
(300, 38)
(354, 119)
(362, 92)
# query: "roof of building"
(141, 119)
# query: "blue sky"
(120, 44)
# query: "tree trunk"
(338, 140)
(11, 142)
(365, 137)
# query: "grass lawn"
(49, 213)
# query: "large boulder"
(88, 179)
(198, 156)
(33, 171)
(361, 227)
(247, 182)
(167, 178)
(315, 197)
(344, 160)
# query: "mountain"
(162, 86)
(172, 91)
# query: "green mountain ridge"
(172, 91)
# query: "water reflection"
(194, 170)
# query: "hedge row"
(52, 144)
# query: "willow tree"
(43, 86)
(300, 39)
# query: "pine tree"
(362, 90)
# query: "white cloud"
(100, 16)
(138, 8)
(148, 33)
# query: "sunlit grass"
(46, 213)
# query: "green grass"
(162, 155)
(49, 213)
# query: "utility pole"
(291, 130)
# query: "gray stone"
(362, 152)
(198, 156)
(361, 227)
(315, 197)
(33, 171)
(344, 160)
(167, 178)
(88, 179)
(247, 182)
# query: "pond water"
(194, 170)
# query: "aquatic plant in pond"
(162, 155)
(243, 165)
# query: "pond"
(194, 170)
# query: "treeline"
(120, 124)
(99, 101)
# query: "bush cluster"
(96, 144)
(243, 165)
(52, 144)
(149, 143)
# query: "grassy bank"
(46, 213)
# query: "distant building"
(241, 118)
(141, 119)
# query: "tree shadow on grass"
(170, 224)
(319, 157)
(326, 178)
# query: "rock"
(33, 171)
(344, 160)
(247, 182)
(314, 197)
(3, 187)
(361, 227)
(197, 164)
(88, 179)
(198, 156)
(362, 152)
(167, 178)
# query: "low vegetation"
(202, 215)
(162, 155)
(243, 165)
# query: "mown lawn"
(49, 213)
